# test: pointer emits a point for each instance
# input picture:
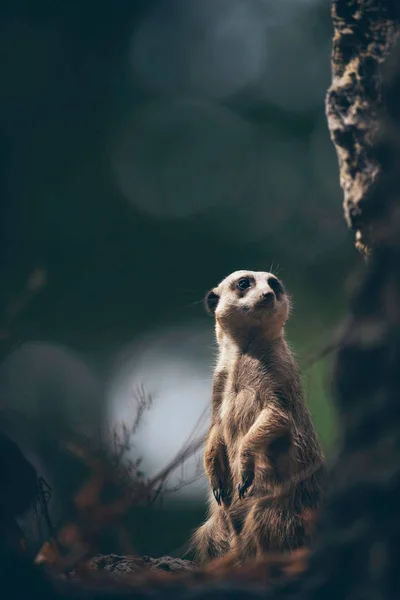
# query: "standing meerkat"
(262, 456)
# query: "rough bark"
(364, 33)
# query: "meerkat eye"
(276, 286)
(244, 283)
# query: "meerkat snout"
(268, 297)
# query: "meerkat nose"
(268, 295)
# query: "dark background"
(147, 150)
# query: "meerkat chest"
(239, 411)
(246, 393)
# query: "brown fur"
(262, 456)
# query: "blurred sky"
(174, 366)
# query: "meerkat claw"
(242, 489)
(218, 495)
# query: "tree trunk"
(364, 33)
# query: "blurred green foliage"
(118, 269)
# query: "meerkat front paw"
(247, 481)
(220, 491)
(247, 475)
(218, 494)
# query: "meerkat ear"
(211, 301)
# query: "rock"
(18, 480)
(18, 490)
(123, 565)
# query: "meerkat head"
(248, 301)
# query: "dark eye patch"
(276, 286)
(243, 283)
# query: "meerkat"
(262, 456)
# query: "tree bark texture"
(364, 33)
